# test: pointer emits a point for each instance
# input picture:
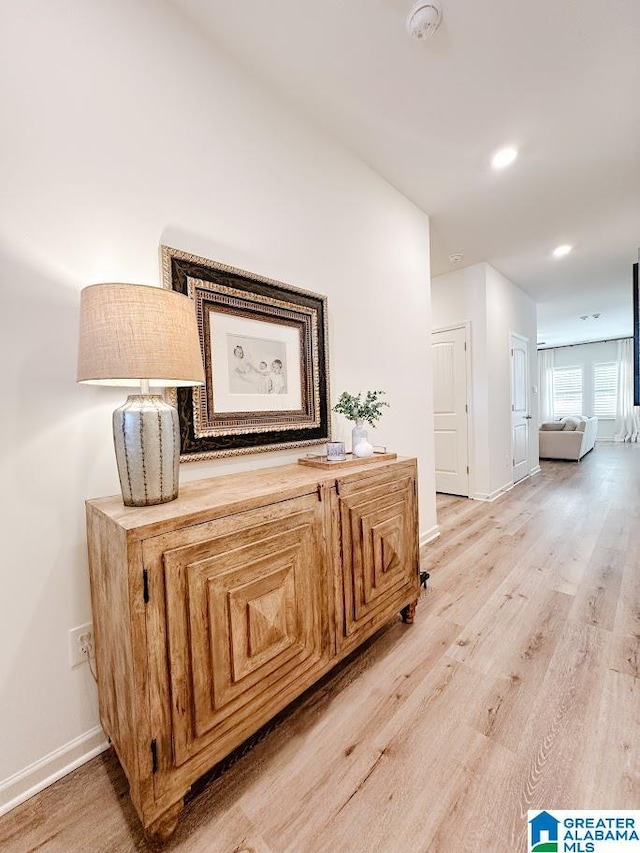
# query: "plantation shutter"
(605, 389)
(567, 391)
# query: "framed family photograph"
(266, 361)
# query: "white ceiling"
(560, 79)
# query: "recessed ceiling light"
(504, 157)
(561, 251)
(456, 258)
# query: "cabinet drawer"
(240, 625)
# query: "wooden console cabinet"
(213, 612)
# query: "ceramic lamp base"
(147, 441)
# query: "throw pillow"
(552, 426)
(570, 423)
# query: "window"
(567, 391)
(605, 389)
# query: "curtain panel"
(627, 415)
(545, 382)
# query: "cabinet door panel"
(244, 620)
(377, 528)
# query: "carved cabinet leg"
(163, 827)
(408, 613)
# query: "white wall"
(586, 356)
(122, 129)
(457, 297)
(495, 307)
(509, 311)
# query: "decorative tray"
(320, 461)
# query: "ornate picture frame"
(266, 360)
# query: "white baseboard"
(491, 496)
(44, 772)
(429, 535)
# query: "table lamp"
(135, 334)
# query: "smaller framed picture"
(265, 354)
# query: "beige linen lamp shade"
(133, 332)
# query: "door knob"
(528, 417)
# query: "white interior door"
(520, 417)
(450, 411)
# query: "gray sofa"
(568, 438)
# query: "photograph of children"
(256, 365)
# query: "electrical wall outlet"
(80, 644)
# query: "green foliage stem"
(363, 406)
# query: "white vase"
(360, 446)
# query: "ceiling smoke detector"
(424, 18)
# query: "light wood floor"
(518, 687)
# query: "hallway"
(518, 687)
